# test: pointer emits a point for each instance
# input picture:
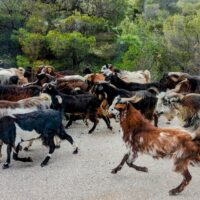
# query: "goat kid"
(141, 136)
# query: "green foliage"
(159, 35)
(22, 61)
(74, 46)
(182, 36)
(82, 23)
(33, 44)
(37, 24)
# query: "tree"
(74, 46)
(182, 34)
(33, 44)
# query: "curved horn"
(133, 99)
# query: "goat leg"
(138, 168)
(64, 136)
(29, 145)
(24, 159)
(119, 167)
(7, 163)
(57, 142)
(69, 123)
(1, 144)
(155, 117)
(107, 121)
(186, 179)
(51, 150)
(130, 161)
(93, 118)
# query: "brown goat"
(72, 84)
(141, 136)
(15, 93)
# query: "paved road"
(87, 176)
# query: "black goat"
(109, 92)
(84, 104)
(146, 105)
(47, 124)
(115, 80)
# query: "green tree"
(74, 46)
(33, 44)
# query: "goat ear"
(59, 98)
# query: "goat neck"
(132, 122)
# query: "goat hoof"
(114, 171)
(89, 132)
(57, 146)
(43, 164)
(173, 192)
(29, 159)
(110, 127)
(75, 151)
(144, 169)
(5, 166)
(26, 149)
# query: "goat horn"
(133, 99)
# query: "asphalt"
(87, 176)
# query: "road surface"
(87, 176)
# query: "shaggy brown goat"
(141, 136)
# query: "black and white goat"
(25, 106)
(46, 124)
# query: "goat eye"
(165, 102)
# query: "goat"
(191, 84)
(15, 93)
(118, 82)
(6, 74)
(104, 90)
(46, 124)
(141, 136)
(24, 106)
(86, 104)
(186, 107)
(137, 76)
(171, 79)
(146, 105)
(72, 83)
(161, 108)
(93, 78)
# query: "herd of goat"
(32, 108)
